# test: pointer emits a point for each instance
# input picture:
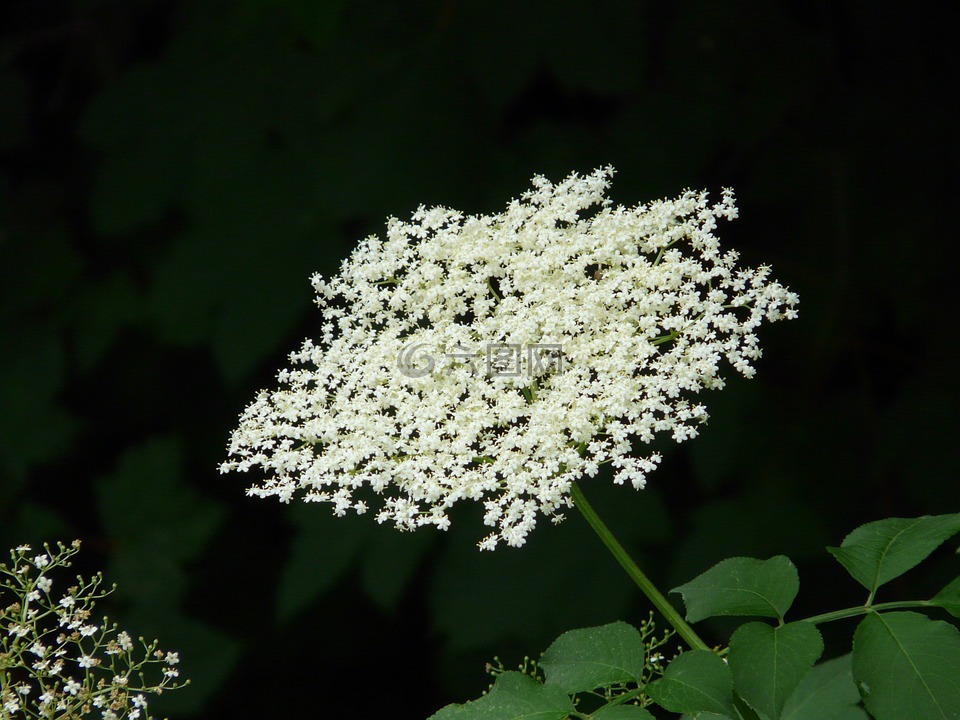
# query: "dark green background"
(174, 171)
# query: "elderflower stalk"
(636, 574)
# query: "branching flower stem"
(636, 574)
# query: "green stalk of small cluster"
(636, 574)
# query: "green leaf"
(697, 681)
(389, 562)
(879, 551)
(321, 552)
(156, 520)
(581, 660)
(854, 712)
(100, 311)
(905, 666)
(768, 663)
(34, 524)
(33, 367)
(514, 696)
(621, 712)
(826, 693)
(949, 598)
(742, 586)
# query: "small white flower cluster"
(57, 662)
(639, 304)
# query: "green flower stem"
(636, 574)
(864, 609)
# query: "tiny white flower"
(44, 583)
(11, 703)
(38, 649)
(18, 630)
(86, 661)
(41, 561)
(72, 686)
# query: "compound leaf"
(581, 660)
(905, 666)
(742, 586)
(768, 663)
(879, 551)
(697, 681)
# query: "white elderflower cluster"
(501, 358)
(56, 661)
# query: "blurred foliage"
(172, 173)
